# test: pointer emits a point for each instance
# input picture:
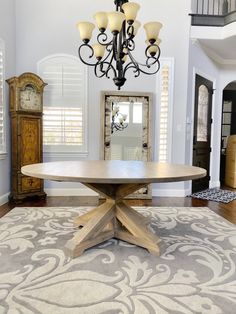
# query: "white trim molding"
(88, 192)
(164, 110)
(171, 192)
(211, 32)
(4, 199)
(214, 184)
(63, 155)
(70, 192)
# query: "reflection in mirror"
(126, 129)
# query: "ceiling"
(223, 49)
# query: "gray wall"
(7, 33)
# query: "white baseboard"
(214, 184)
(70, 192)
(89, 192)
(4, 198)
(171, 193)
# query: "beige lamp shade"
(85, 30)
(99, 51)
(115, 21)
(101, 20)
(152, 30)
(130, 9)
(136, 26)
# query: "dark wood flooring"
(227, 211)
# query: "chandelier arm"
(140, 65)
(107, 56)
(102, 41)
(153, 72)
(104, 72)
(80, 55)
(99, 65)
(154, 58)
(110, 67)
(130, 44)
(132, 65)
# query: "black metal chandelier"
(117, 119)
(113, 54)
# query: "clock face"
(30, 99)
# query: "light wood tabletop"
(115, 180)
(113, 171)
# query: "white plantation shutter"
(65, 103)
(2, 111)
(165, 109)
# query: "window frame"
(72, 150)
(170, 63)
(3, 151)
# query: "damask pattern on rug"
(194, 274)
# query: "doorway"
(202, 130)
(228, 123)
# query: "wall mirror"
(126, 129)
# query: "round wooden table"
(115, 180)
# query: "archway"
(228, 123)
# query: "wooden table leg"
(134, 230)
(92, 233)
(114, 218)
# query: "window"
(65, 104)
(2, 101)
(165, 91)
(226, 124)
(137, 112)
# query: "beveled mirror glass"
(126, 129)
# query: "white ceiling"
(223, 49)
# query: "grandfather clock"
(26, 106)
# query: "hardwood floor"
(227, 211)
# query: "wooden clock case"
(26, 136)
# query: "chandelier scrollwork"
(112, 54)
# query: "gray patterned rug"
(194, 274)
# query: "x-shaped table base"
(112, 219)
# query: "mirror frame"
(107, 97)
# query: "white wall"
(7, 33)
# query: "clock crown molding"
(25, 78)
(19, 84)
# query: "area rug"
(216, 195)
(194, 274)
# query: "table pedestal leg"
(114, 218)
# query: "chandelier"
(112, 54)
(117, 119)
